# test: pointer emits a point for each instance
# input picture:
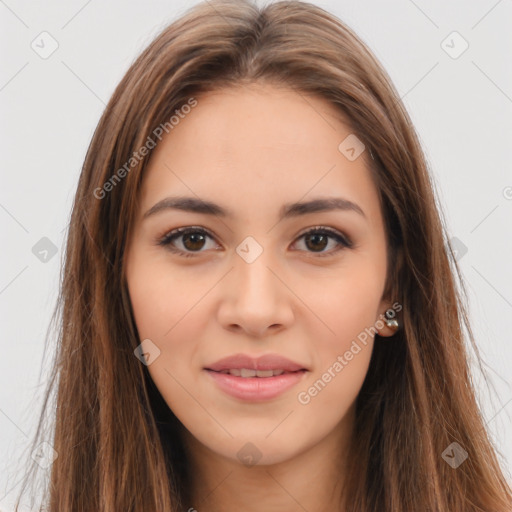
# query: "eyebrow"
(288, 210)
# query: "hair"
(117, 441)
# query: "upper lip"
(266, 362)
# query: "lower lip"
(256, 389)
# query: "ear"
(382, 329)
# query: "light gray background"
(461, 108)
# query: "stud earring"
(391, 321)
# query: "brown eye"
(190, 241)
(193, 240)
(317, 239)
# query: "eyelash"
(343, 241)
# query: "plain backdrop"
(460, 100)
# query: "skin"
(251, 150)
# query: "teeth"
(245, 372)
(264, 373)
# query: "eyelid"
(165, 240)
(331, 231)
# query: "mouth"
(255, 385)
(246, 373)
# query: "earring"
(391, 321)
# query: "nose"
(255, 298)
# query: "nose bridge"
(257, 298)
(255, 280)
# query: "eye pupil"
(315, 237)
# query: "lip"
(256, 389)
(265, 362)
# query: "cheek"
(347, 305)
(168, 310)
(161, 296)
(342, 360)
(348, 308)
(164, 313)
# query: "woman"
(258, 305)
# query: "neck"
(310, 480)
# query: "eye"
(318, 239)
(194, 239)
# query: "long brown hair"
(117, 441)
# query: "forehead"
(258, 146)
(277, 119)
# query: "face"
(258, 278)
